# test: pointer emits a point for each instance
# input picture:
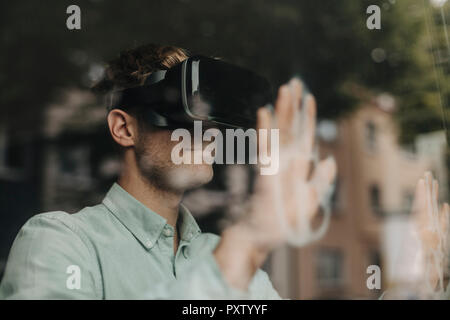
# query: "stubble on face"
(153, 156)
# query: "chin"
(185, 177)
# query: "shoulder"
(48, 223)
(205, 242)
(84, 222)
(61, 222)
(45, 247)
(210, 237)
(60, 231)
(51, 230)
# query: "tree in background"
(326, 42)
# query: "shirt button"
(168, 232)
(148, 243)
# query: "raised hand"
(431, 223)
(284, 204)
(422, 261)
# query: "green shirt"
(118, 249)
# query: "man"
(141, 242)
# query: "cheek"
(159, 145)
(164, 149)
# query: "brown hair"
(133, 66)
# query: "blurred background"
(383, 99)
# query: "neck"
(163, 202)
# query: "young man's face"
(153, 155)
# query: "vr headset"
(199, 88)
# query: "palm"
(422, 261)
(431, 224)
(288, 200)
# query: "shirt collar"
(145, 224)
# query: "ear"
(123, 128)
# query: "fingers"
(432, 187)
(306, 137)
(288, 111)
(445, 221)
(323, 176)
(325, 173)
(435, 205)
(430, 196)
(296, 87)
(308, 126)
(435, 190)
(429, 190)
(420, 204)
(432, 221)
(446, 215)
(284, 112)
(264, 121)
